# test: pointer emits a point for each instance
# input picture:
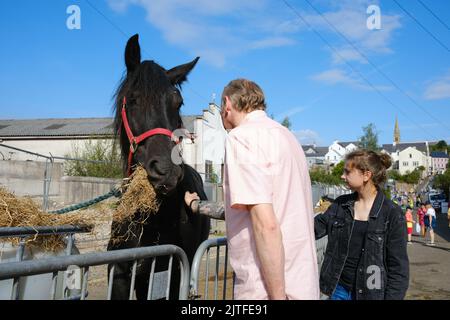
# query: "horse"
(148, 102)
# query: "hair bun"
(385, 159)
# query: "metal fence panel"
(84, 261)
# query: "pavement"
(430, 265)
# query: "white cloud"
(338, 76)
(214, 30)
(288, 113)
(271, 42)
(307, 136)
(439, 89)
(348, 18)
(220, 30)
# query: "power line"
(355, 70)
(378, 69)
(107, 19)
(437, 18)
(115, 26)
(422, 26)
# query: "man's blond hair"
(245, 95)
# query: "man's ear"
(227, 104)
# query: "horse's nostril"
(156, 167)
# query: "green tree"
(105, 151)
(440, 146)
(369, 140)
(320, 175)
(287, 123)
(338, 169)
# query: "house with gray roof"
(315, 156)
(409, 156)
(439, 161)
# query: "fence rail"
(84, 261)
(206, 247)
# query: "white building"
(60, 137)
(315, 156)
(406, 157)
(338, 150)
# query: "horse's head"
(153, 100)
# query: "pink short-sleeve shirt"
(264, 163)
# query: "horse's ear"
(133, 53)
(179, 74)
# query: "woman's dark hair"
(375, 162)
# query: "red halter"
(134, 141)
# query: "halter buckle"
(133, 146)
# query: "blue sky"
(309, 72)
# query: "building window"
(410, 155)
(405, 163)
(415, 163)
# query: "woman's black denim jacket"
(383, 270)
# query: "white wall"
(410, 159)
(57, 147)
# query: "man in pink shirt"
(268, 202)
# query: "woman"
(430, 222)
(421, 215)
(366, 256)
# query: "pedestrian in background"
(421, 217)
(430, 222)
(409, 223)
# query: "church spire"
(396, 132)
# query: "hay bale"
(137, 203)
(24, 212)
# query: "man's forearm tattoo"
(212, 209)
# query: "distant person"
(366, 256)
(421, 211)
(430, 222)
(418, 201)
(409, 223)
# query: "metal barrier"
(206, 246)
(320, 190)
(84, 261)
(24, 233)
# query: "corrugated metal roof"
(66, 127)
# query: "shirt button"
(362, 249)
(359, 291)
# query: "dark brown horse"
(153, 101)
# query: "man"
(268, 202)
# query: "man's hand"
(189, 200)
